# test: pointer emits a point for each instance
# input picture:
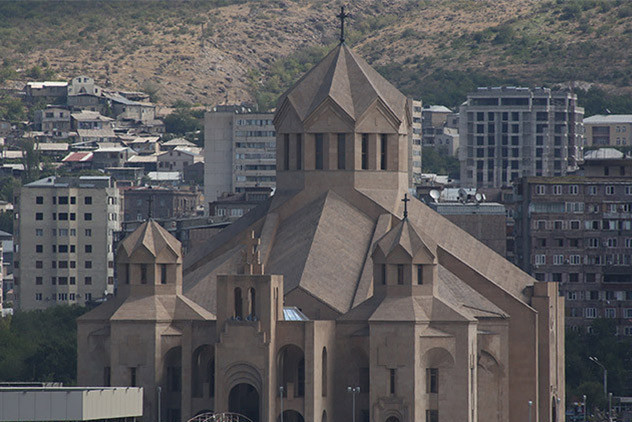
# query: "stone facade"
(334, 282)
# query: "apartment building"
(608, 130)
(510, 132)
(239, 151)
(414, 153)
(577, 231)
(64, 230)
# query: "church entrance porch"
(291, 416)
(244, 399)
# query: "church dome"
(348, 81)
(150, 238)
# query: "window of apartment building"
(39, 232)
(574, 243)
(39, 216)
(592, 190)
(558, 242)
(39, 280)
(590, 312)
(575, 259)
(88, 298)
(573, 277)
(63, 264)
(38, 296)
(571, 295)
(62, 281)
(88, 232)
(540, 259)
(628, 242)
(628, 190)
(540, 190)
(62, 248)
(110, 280)
(72, 281)
(558, 225)
(87, 200)
(609, 190)
(38, 264)
(72, 248)
(318, 151)
(365, 151)
(611, 242)
(39, 248)
(54, 200)
(576, 312)
(39, 200)
(87, 216)
(88, 264)
(87, 280)
(557, 277)
(628, 312)
(383, 151)
(53, 264)
(88, 248)
(73, 200)
(540, 242)
(593, 295)
(573, 190)
(72, 296)
(557, 189)
(627, 331)
(341, 151)
(53, 280)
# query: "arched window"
(324, 418)
(324, 373)
(238, 303)
(252, 308)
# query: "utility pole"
(353, 391)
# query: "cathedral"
(340, 299)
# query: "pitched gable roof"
(408, 237)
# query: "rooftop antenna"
(342, 16)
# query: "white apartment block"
(511, 132)
(64, 231)
(414, 160)
(239, 151)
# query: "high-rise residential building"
(608, 130)
(239, 151)
(64, 231)
(577, 231)
(512, 132)
(414, 154)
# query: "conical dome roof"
(409, 238)
(152, 237)
(349, 81)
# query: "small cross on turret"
(252, 264)
(342, 16)
(406, 200)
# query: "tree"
(435, 161)
(6, 221)
(8, 188)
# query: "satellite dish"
(435, 195)
(478, 197)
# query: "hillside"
(226, 51)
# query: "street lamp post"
(530, 407)
(159, 392)
(353, 391)
(605, 375)
(609, 407)
(281, 391)
(585, 409)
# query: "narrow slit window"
(286, 151)
(420, 274)
(383, 149)
(299, 151)
(341, 151)
(400, 274)
(365, 151)
(319, 151)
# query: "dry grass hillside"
(227, 51)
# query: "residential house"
(179, 158)
(53, 120)
(104, 157)
(608, 130)
(55, 92)
(91, 126)
(78, 160)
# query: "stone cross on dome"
(406, 200)
(252, 258)
(342, 16)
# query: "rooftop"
(72, 182)
(608, 119)
(603, 154)
(47, 84)
(437, 109)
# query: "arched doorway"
(244, 399)
(291, 416)
(291, 366)
(392, 419)
(203, 372)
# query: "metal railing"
(219, 417)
